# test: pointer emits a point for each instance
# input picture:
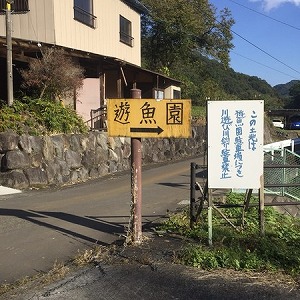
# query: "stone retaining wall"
(33, 162)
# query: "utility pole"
(9, 74)
(136, 183)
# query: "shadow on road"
(98, 223)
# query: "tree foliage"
(206, 79)
(177, 29)
(294, 92)
(54, 76)
(190, 41)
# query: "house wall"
(88, 97)
(104, 39)
(52, 22)
(37, 25)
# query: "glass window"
(17, 6)
(126, 31)
(159, 94)
(176, 94)
(83, 12)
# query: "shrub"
(38, 117)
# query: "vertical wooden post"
(246, 204)
(209, 217)
(101, 73)
(119, 88)
(261, 207)
(136, 183)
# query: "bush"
(39, 117)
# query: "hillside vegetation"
(205, 79)
(191, 41)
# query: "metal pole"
(209, 217)
(9, 74)
(192, 195)
(262, 207)
(284, 173)
(136, 182)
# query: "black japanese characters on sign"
(149, 118)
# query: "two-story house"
(104, 37)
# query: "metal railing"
(84, 17)
(98, 120)
(126, 38)
(282, 173)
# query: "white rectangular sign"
(235, 143)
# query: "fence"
(98, 119)
(282, 173)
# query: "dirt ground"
(151, 271)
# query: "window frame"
(126, 31)
(83, 16)
(17, 7)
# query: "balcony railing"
(126, 39)
(84, 17)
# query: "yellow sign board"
(149, 118)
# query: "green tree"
(177, 29)
(295, 94)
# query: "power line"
(262, 14)
(264, 65)
(257, 47)
(265, 52)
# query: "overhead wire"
(264, 65)
(259, 48)
(265, 52)
(262, 14)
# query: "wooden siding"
(37, 25)
(52, 22)
(104, 39)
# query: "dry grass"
(97, 254)
(59, 270)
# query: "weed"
(245, 249)
(96, 254)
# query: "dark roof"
(135, 4)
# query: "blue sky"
(278, 61)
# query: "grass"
(59, 270)
(242, 249)
(199, 112)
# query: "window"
(83, 12)
(176, 94)
(17, 6)
(126, 31)
(159, 94)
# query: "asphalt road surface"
(40, 227)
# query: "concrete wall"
(31, 161)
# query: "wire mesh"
(280, 175)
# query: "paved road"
(39, 227)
